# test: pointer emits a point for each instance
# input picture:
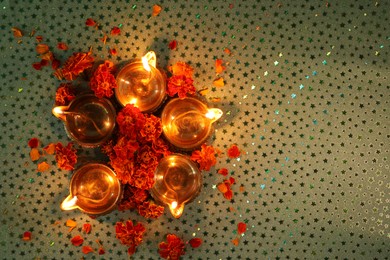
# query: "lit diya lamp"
(94, 189)
(187, 122)
(88, 120)
(177, 182)
(140, 83)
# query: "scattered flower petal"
(113, 51)
(27, 236)
(62, 46)
(241, 228)
(42, 48)
(195, 242)
(87, 249)
(75, 65)
(236, 241)
(172, 45)
(43, 166)
(156, 10)
(219, 82)
(71, 224)
(33, 142)
(17, 32)
(233, 151)
(218, 66)
(90, 22)
(37, 65)
(227, 51)
(86, 228)
(34, 154)
(222, 187)
(39, 38)
(223, 171)
(115, 31)
(77, 240)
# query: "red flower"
(180, 85)
(115, 31)
(152, 129)
(130, 121)
(129, 235)
(33, 142)
(233, 151)
(103, 81)
(241, 228)
(64, 94)
(150, 210)
(195, 242)
(90, 22)
(65, 156)
(172, 249)
(172, 45)
(77, 240)
(205, 157)
(75, 65)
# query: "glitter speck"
(301, 87)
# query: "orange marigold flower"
(205, 157)
(152, 129)
(90, 22)
(156, 10)
(233, 151)
(241, 228)
(27, 236)
(64, 94)
(195, 242)
(132, 197)
(218, 66)
(130, 121)
(62, 46)
(181, 68)
(159, 146)
(33, 142)
(66, 156)
(125, 148)
(150, 210)
(130, 234)
(124, 169)
(75, 65)
(172, 249)
(180, 85)
(77, 240)
(115, 31)
(172, 45)
(103, 81)
(143, 177)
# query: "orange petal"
(242, 188)
(39, 38)
(62, 46)
(87, 249)
(236, 241)
(26, 236)
(87, 228)
(71, 223)
(203, 92)
(156, 10)
(34, 154)
(218, 66)
(77, 240)
(227, 51)
(43, 166)
(222, 187)
(50, 149)
(219, 82)
(42, 48)
(17, 32)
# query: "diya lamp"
(140, 83)
(94, 189)
(187, 122)
(177, 182)
(88, 120)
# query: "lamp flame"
(69, 203)
(149, 60)
(214, 114)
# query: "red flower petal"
(26, 236)
(113, 51)
(101, 251)
(228, 195)
(87, 249)
(33, 142)
(218, 66)
(77, 240)
(62, 46)
(241, 228)
(37, 65)
(195, 242)
(172, 45)
(55, 64)
(223, 171)
(87, 228)
(115, 31)
(90, 22)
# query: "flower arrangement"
(137, 147)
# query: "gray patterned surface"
(306, 98)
